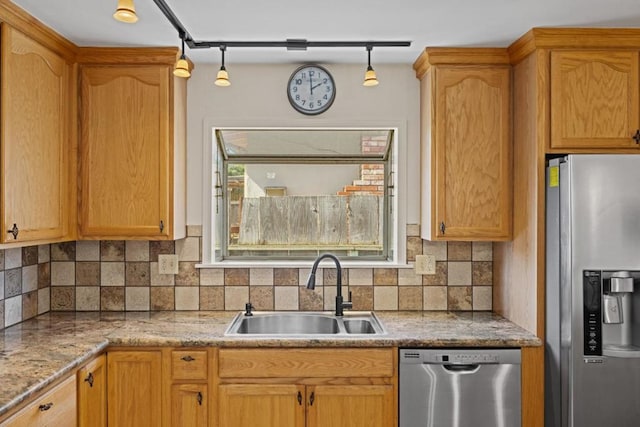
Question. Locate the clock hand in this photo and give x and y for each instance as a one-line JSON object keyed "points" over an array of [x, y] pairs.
{"points": [[313, 87], [311, 84]]}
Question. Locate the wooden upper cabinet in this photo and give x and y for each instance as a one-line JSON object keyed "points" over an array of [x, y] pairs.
{"points": [[35, 145], [129, 149], [595, 99], [466, 152]]}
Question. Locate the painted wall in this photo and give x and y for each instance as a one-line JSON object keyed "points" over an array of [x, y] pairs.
{"points": [[257, 98]]}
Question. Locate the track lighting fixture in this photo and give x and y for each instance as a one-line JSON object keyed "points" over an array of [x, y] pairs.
{"points": [[126, 12], [222, 79], [370, 78], [182, 66]]}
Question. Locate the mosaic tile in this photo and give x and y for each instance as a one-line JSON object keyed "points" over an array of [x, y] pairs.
{"points": [[65, 251], [136, 274], [385, 276], [459, 251], [211, 298], [158, 247], [136, 250], [63, 298], [88, 274], [285, 276], [188, 274], [112, 298], [409, 298], [482, 273], [459, 298], [112, 250], [261, 297], [162, 298], [236, 277]]}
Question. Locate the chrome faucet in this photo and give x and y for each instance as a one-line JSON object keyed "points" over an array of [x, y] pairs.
{"points": [[311, 283]]}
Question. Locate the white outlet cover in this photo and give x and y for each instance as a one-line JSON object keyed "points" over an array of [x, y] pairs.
{"points": [[167, 264]]}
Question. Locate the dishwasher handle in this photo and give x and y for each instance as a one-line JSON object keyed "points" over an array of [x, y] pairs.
{"points": [[460, 368]]}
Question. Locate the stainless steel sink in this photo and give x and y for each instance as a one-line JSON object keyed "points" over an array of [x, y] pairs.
{"points": [[304, 323]]}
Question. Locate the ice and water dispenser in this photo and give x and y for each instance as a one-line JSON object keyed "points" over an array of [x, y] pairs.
{"points": [[611, 313]]}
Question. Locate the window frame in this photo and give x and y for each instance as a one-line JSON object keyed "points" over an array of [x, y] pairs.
{"points": [[397, 241]]}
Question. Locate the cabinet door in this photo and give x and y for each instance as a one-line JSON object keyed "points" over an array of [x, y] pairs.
{"points": [[56, 408], [189, 406], [594, 99], [92, 394], [472, 154], [261, 405], [125, 152], [34, 139], [351, 406], [134, 388]]}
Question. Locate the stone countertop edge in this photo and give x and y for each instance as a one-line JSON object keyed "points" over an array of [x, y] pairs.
{"points": [[38, 352]]}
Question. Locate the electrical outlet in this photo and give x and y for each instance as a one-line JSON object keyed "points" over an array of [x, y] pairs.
{"points": [[425, 264], [168, 264]]}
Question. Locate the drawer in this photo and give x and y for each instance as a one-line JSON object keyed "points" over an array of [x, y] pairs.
{"points": [[189, 365], [310, 363], [55, 408]]}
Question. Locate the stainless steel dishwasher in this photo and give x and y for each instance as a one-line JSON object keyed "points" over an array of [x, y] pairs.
{"points": [[459, 388]]}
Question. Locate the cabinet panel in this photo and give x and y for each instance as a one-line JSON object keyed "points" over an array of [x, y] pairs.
{"points": [[264, 405], [470, 154], [134, 393], [189, 405], [56, 408], [35, 139], [125, 151], [92, 394], [351, 406], [595, 99], [318, 363], [189, 365]]}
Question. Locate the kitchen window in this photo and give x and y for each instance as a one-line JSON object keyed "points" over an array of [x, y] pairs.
{"points": [[292, 194]]}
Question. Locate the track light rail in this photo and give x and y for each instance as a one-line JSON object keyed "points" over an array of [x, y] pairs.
{"points": [[289, 44]]}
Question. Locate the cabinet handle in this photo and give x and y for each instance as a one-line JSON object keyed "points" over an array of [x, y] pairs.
{"points": [[45, 407], [636, 137], [299, 398], [312, 398], [161, 226], [14, 230], [442, 227], [89, 379], [199, 397], [188, 358]]}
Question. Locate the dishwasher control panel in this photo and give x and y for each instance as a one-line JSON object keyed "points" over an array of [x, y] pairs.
{"points": [[459, 357]]}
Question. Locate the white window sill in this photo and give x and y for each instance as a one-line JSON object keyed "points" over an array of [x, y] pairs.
{"points": [[304, 264]]}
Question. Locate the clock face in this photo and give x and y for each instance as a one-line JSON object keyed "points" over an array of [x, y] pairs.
{"points": [[311, 89]]}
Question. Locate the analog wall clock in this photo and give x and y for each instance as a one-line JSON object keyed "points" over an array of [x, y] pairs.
{"points": [[311, 89]]}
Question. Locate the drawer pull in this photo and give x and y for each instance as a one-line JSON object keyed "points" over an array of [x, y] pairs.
{"points": [[89, 379], [312, 398], [188, 358], [299, 398], [635, 137], [45, 407], [14, 231]]}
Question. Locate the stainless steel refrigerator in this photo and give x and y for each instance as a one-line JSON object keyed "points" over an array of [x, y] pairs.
{"points": [[592, 354]]}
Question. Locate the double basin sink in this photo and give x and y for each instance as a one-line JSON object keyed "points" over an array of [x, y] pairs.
{"points": [[305, 323]]}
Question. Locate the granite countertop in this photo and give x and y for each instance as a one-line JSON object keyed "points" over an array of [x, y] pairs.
{"points": [[36, 353]]}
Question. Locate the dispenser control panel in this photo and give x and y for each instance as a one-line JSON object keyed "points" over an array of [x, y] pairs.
{"points": [[592, 291]]}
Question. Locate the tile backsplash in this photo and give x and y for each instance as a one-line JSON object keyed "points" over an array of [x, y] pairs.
{"points": [[123, 276]]}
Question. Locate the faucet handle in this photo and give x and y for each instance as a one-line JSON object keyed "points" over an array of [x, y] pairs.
{"points": [[348, 304]]}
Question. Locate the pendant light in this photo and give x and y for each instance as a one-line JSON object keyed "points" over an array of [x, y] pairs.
{"points": [[182, 66], [222, 79], [126, 12], [370, 78]]}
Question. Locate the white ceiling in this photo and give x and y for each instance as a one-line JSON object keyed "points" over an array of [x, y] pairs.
{"points": [[457, 23]]}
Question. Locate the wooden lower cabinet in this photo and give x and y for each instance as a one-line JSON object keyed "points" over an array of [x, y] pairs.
{"points": [[261, 405], [92, 393], [337, 387], [56, 408], [350, 406], [189, 405], [134, 392]]}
